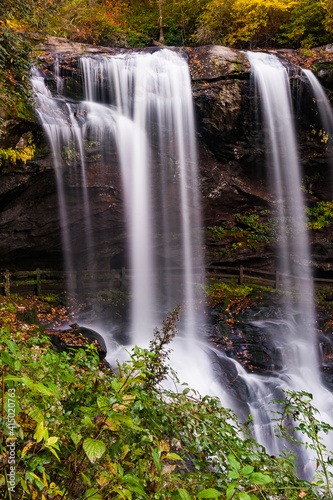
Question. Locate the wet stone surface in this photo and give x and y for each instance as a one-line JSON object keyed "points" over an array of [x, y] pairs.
{"points": [[78, 337]]}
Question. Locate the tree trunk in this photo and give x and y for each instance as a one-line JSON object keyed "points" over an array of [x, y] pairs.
{"points": [[160, 4]]}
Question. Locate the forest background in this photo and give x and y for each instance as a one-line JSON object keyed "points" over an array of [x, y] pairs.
{"points": [[243, 24]]}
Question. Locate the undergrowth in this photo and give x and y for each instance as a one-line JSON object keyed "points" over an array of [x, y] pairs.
{"points": [[82, 431]]}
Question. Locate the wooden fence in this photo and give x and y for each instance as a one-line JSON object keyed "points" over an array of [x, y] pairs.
{"points": [[41, 281]]}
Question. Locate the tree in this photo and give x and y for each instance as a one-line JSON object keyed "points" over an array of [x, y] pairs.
{"points": [[160, 21]]}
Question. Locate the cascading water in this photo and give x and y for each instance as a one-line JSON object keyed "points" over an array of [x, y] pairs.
{"points": [[324, 108], [152, 94], [139, 108], [285, 174], [300, 369]]}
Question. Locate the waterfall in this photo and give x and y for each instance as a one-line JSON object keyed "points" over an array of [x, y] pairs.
{"points": [[324, 107], [138, 108], [272, 81], [140, 104], [154, 133], [296, 331]]}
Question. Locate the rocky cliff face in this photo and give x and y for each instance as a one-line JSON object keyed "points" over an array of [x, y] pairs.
{"points": [[231, 156]]}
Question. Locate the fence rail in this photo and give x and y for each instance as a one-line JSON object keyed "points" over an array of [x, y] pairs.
{"points": [[41, 281]]}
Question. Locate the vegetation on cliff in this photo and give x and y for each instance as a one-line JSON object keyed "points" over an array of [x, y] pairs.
{"points": [[240, 23]]}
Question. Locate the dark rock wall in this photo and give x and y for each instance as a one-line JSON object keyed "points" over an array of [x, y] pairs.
{"points": [[231, 160]]}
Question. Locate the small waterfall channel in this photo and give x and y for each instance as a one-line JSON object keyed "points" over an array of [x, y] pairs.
{"points": [[138, 109]]}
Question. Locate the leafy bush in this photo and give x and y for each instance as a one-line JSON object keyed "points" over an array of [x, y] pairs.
{"points": [[12, 156], [320, 215], [20, 20], [86, 432]]}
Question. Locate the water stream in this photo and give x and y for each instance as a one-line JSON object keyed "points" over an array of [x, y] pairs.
{"points": [[324, 107]]}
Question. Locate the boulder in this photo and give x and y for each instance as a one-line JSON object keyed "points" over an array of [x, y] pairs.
{"points": [[78, 337]]}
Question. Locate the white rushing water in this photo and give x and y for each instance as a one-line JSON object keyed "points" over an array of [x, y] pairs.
{"points": [[284, 171], [140, 104], [300, 370], [322, 101], [151, 94]]}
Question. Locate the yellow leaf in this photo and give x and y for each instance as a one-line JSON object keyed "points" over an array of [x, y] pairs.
{"points": [[120, 408], [44, 479], [34, 494], [164, 446], [102, 480], [112, 426], [11, 60], [168, 468], [25, 421], [27, 447]]}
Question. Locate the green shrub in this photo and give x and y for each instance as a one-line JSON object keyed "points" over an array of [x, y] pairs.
{"points": [[83, 432]]}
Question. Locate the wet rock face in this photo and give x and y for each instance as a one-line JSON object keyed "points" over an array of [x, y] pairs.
{"points": [[78, 337], [258, 339], [231, 164]]}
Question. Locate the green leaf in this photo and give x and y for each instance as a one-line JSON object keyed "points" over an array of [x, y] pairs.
{"points": [[103, 403], [173, 456], [52, 450], [230, 492], [43, 390], [88, 422], [54, 389], [25, 486], [243, 496], [93, 448], [67, 376], [39, 434], [92, 494], [184, 495], [156, 458], [233, 474], [233, 462], [134, 483], [17, 365], [52, 441], [30, 476], [86, 480], [76, 438], [209, 493], [7, 359], [116, 385], [11, 345], [37, 415], [259, 478], [248, 469]]}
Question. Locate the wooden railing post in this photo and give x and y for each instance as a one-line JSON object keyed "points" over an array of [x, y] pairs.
{"points": [[241, 275], [7, 283], [38, 283], [277, 280]]}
